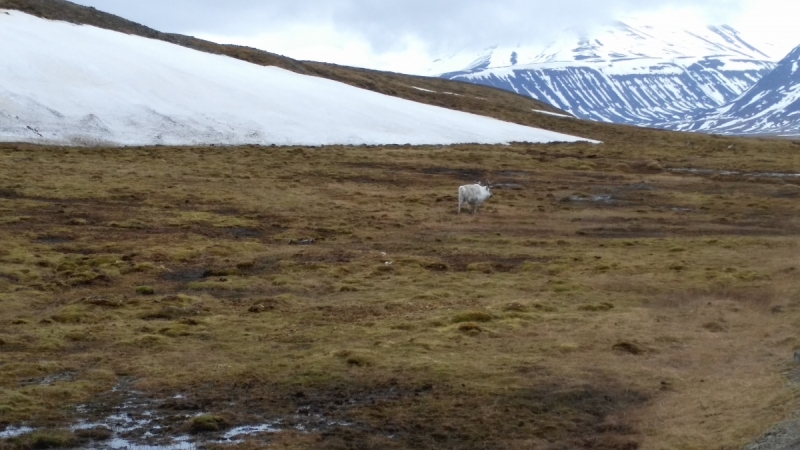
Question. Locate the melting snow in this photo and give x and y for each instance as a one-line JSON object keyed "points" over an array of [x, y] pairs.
{"points": [[79, 85], [552, 113], [12, 432]]}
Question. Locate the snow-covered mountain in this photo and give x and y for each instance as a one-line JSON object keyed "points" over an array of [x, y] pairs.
{"points": [[62, 83], [621, 73], [772, 106]]}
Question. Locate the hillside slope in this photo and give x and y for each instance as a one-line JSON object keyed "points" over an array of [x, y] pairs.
{"points": [[70, 84], [481, 100]]}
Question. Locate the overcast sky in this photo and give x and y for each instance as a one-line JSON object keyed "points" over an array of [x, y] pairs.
{"points": [[405, 35]]}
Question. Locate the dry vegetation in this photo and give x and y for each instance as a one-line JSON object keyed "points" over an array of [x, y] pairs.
{"points": [[598, 301]]}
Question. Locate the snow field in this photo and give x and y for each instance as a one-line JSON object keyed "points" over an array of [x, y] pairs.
{"points": [[62, 83]]}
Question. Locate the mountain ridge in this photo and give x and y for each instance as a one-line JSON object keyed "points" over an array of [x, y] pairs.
{"points": [[771, 106], [642, 75]]}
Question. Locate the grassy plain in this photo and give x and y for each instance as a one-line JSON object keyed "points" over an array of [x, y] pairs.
{"points": [[600, 300]]}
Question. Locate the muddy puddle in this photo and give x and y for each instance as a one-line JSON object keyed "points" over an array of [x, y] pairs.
{"points": [[127, 419], [590, 198], [734, 172], [12, 432]]}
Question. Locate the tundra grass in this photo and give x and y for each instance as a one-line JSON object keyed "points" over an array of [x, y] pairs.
{"points": [[602, 299]]}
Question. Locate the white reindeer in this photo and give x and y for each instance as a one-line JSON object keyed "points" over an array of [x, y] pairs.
{"points": [[474, 195]]}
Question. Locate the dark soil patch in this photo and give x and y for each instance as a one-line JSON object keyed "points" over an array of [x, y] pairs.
{"points": [[9, 193], [559, 417], [334, 257], [363, 179], [472, 175], [243, 233], [461, 262], [259, 266], [628, 347], [52, 240], [185, 275]]}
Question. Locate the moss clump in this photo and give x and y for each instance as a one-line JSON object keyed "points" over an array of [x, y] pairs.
{"points": [[472, 316], [602, 306], [73, 314], [44, 439], [145, 290], [628, 347], [515, 307], [470, 328], [483, 267], [147, 341], [207, 423], [95, 434], [174, 312], [359, 360]]}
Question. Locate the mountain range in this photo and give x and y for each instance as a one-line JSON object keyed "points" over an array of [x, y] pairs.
{"points": [[702, 79], [771, 106]]}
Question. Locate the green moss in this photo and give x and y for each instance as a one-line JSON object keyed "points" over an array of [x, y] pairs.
{"points": [[207, 423], [472, 316], [45, 439], [602, 306], [145, 290]]}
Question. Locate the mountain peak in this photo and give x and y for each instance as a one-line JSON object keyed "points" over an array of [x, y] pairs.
{"points": [[616, 41], [771, 106], [624, 72]]}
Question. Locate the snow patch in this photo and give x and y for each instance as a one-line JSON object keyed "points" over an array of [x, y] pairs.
{"points": [[80, 85], [552, 113]]}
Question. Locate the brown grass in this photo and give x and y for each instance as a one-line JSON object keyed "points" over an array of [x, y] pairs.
{"points": [[557, 317], [602, 300]]}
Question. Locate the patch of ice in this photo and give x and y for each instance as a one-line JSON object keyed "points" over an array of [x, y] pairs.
{"points": [[180, 443], [593, 198], [249, 430], [552, 113], [733, 172], [12, 432]]}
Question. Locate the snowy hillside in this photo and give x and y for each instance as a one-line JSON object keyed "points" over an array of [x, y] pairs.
{"points": [[639, 75], [68, 84], [772, 106]]}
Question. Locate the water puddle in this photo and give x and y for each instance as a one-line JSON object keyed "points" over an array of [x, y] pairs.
{"points": [[734, 172], [125, 418], [52, 240], [50, 379], [181, 443], [607, 198], [237, 435], [12, 432]]}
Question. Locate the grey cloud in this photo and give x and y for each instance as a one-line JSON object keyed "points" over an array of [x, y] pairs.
{"points": [[443, 24]]}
